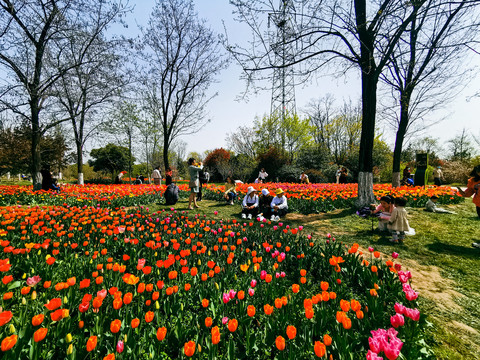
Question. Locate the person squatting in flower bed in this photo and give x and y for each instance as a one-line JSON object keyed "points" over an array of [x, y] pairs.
{"points": [[276, 209]]}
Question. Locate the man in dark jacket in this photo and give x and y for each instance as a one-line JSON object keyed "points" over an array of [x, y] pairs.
{"points": [[265, 199], [171, 194]]}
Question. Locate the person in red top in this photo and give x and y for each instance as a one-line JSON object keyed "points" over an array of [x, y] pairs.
{"points": [[473, 187]]}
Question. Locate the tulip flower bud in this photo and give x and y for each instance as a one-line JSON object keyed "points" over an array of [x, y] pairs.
{"points": [[70, 349], [65, 300], [47, 257], [24, 301], [91, 261], [39, 252], [235, 276], [157, 305], [156, 253], [34, 295], [181, 306], [216, 285], [68, 338], [199, 262], [24, 276], [76, 256], [199, 348], [249, 262], [125, 338], [209, 253], [12, 329]]}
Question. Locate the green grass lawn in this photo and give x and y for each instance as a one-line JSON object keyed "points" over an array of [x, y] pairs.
{"points": [[444, 265]]}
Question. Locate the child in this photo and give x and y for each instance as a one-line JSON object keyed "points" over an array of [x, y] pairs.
{"points": [[171, 194], [250, 203], [385, 211], [431, 206], [398, 221], [278, 206]]}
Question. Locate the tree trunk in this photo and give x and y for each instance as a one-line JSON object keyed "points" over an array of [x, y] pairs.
{"points": [[79, 163], [130, 155], [365, 176], [396, 179], [165, 151], [402, 130], [365, 189], [36, 154]]}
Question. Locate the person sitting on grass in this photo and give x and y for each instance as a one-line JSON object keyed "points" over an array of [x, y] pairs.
{"points": [[250, 203], [265, 199], [171, 194], [398, 221], [384, 210], [431, 206], [278, 205], [230, 193]]}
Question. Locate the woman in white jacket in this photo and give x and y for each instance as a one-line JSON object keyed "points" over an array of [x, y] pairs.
{"points": [[279, 205], [250, 203]]}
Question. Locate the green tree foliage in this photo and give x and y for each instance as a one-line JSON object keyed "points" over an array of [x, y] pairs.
{"points": [[15, 156], [290, 133], [272, 160], [111, 159]]}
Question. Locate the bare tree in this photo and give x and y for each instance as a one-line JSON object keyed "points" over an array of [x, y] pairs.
{"points": [[461, 146], [321, 113], [427, 65], [348, 30], [32, 38], [241, 141], [183, 57], [85, 92]]}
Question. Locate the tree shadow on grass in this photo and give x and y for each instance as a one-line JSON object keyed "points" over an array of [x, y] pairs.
{"points": [[442, 248]]}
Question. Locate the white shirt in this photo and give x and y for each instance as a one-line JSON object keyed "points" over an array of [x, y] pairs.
{"points": [[156, 174], [262, 175], [248, 199], [280, 202]]}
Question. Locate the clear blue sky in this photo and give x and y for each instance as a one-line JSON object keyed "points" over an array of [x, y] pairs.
{"points": [[227, 114]]}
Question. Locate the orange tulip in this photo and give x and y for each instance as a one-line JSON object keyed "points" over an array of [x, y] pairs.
{"points": [[40, 334], [319, 349], [54, 304], [205, 303], [161, 333], [232, 325], [267, 309], [135, 322], [327, 340], [215, 335], [280, 343], [109, 357], [37, 319], [345, 305], [91, 343], [149, 316], [291, 332], [115, 326], [189, 348], [9, 342], [5, 317], [251, 310], [295, 288]]}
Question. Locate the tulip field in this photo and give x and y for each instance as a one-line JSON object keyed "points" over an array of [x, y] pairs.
{"points": [[90, 275]]}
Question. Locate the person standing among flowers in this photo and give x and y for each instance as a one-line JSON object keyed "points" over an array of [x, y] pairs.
{"points": [[438, 176], [262, 175], [156, 176], [194, 184], [473, 186], [398, 221]]}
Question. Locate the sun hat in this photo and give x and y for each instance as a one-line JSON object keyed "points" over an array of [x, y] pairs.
{"points": [[279, 191], [250, 189], [265, 192]]}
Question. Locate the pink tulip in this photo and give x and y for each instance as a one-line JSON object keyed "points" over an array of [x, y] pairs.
{"points": [[300, 228], [395, 255], [226, 298], [371, 249], [215, 213], [120, 346], [373, 356], [399, 308], [102, 293], [282, 274], [397, 320], [232, 294], [277, 275], [251, 292], [275, 227], [263, 274], [225, 320], [34, 280], [413, 314], [391, 352], [253, 283]]}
